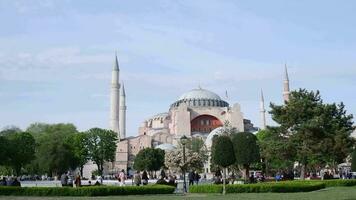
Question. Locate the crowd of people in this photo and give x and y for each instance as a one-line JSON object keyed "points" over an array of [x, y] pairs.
{"points": [[10, 181]]}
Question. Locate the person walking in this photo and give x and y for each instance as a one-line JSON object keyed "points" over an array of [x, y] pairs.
{"points": [[122, 178], [191, 178], [137, 178], [78, 181], [144, 178], [64, 180], [196, 177]]}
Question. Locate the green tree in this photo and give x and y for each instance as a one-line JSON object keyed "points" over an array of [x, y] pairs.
{"points": [[101, 146], [319, 132], [55, 152], [246, 150], [149, 159], [4, 150], [80, 148], [275, 150], [21, 150], [222, 154]]}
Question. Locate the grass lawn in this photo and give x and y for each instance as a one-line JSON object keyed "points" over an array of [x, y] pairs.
{"points": [[337, 193]]}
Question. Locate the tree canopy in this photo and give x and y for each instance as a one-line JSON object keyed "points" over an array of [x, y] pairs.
{"points": [[246, 150], [149, 159], [101, 145], [319, 132]]}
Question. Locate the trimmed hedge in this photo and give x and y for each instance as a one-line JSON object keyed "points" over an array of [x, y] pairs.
{"points": [[86, 191], [259, 188], [332, 182]]}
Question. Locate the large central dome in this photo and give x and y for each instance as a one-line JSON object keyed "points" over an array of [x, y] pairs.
{"points": [[200, 98], [199, 94]]}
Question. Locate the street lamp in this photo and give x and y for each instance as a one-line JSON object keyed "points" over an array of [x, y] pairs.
{"points": [[183, 141]]}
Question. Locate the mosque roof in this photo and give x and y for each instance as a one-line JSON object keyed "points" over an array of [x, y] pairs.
{"points": [[209, 140], [166, 147], [199, 94]]}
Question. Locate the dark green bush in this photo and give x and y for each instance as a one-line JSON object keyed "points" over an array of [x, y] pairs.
{"points": [[86, 191], [207, 188], [259, 188], [332, 182]]}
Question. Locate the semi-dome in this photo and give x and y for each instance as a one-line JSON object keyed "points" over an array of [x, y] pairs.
{"points": [[199, 94], [209, 140], [166, 147], [200, 98]]}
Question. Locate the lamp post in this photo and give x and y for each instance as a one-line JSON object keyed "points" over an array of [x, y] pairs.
{"points": [[183, 141]]}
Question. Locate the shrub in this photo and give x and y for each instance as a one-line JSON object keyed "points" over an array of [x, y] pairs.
{"points": [[332, 182], [260, 188], [86, 191], [206, 188]]}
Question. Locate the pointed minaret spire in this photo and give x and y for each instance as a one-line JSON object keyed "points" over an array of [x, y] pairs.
{"points": [[123, 108], [286, 90], [116, 64], [262, 111], [115, 98]]}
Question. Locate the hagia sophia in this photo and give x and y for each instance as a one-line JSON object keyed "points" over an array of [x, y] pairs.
{"points": [[196, 113]]}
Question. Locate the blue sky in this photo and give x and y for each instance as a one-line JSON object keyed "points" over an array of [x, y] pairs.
{"points": [[56, 56]]}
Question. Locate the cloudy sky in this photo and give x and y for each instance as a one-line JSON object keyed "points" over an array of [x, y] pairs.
{"points": [[56, 56]]}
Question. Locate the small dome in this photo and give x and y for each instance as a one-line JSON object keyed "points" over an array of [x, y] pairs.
{"points": [[209, 140], [166, 147], [199, 94]]}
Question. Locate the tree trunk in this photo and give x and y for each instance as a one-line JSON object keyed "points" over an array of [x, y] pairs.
{"points": [[224, 181], [81, 170], [247, 172], [302, 172], [100, 169]]}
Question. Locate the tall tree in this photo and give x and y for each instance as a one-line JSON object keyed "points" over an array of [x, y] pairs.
{"points": [[149, 159], [4, 150], [21, 150], [80, 148], [55, 154], [275, 150], [222, 154], [101, 146], [320, 132], [246, 150]]}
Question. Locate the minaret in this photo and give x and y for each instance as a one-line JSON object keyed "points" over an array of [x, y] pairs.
{"points": [[122, 117], [262, 111], [286, 90], [115, 92]]}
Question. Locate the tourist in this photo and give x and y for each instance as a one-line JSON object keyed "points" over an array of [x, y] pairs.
{"points": [[78, 181], [64, 180], [144, 178], [172, 181], [163, 174], [3, 181], [122, 178], [137, 178], [196, 177], [16, 182], [191, 178]]}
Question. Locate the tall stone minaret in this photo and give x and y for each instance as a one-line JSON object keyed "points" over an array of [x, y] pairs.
{"points": [[286, 90], [262, 111], [122, 116], [115, 97]]}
